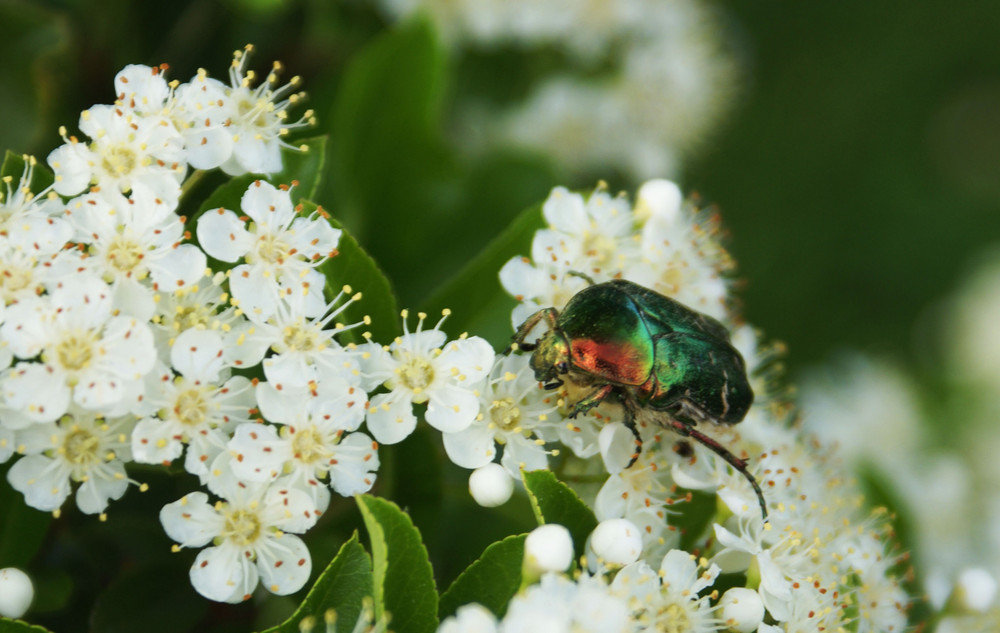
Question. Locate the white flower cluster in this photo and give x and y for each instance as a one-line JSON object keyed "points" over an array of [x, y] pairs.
{"points": [[119, 345], [676, 596], [821, 561], [670, 80]]}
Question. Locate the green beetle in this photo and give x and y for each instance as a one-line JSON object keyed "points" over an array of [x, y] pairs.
{"points": [[662, 361]]}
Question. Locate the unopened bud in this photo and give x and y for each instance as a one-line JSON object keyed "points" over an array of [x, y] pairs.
{"points": [[547, 548], [491, 485], [616, 542], [742, 609], [16, 592]]}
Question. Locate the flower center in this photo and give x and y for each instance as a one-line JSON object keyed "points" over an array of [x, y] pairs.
{"points": [[416, 373], [242, 527], [190, 316], [124, 254], [13, 280], [119, 160], [673, 619], [75, 350], [272, 249], [599, 247], [300, 338], [191, 407], [80, 447], [505, 414], [308, 446]]}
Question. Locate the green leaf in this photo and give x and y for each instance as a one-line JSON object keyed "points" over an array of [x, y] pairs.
{"points": [[127, 604], [386, 111], [404, 580], [477, 301], [694, 517], [13, 166], [22, 529], [304, 167], [228, 195], [353, 266], [342, 586], [555, 502], [492, 580], [17, 626]]}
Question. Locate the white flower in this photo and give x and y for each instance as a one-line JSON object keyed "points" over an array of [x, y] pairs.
{"points": [[29, 221], [257, 118], [80, 447], [594, 236], [422, 367], [199, 408], [511, 406], [310, 451], [16, 592], [127, 149], [203, 305], [490, 485], [199, 110], [559, 605], [86, 353], [130, 239], [470, 618], [281, 251], [668, 600], [305, 350], [251, 535]]}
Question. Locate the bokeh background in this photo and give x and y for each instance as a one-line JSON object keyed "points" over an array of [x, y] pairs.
{"points": [[852, 149], [855, 166]]}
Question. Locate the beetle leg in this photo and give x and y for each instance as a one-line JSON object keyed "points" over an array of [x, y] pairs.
{"points": [[739, 464], [630, 424], [550, 314], [592, 400]]}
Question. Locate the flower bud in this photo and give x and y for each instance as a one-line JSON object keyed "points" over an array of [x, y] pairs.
{"points": [[491, 485], [975, 589], [660, 197], [616, 542], [742, 609], [16, 592], [547, 548]]}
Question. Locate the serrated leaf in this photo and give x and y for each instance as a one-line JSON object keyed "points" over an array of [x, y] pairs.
{"points": [[404, 580], [22, 529], [13, 166], [492, 580], [18, 626], [342, 586], [555, 502], [478, 303], [306, 168], [353, 266]]}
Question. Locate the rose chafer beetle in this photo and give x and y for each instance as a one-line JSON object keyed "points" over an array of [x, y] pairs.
{"points": [[665, 363]]}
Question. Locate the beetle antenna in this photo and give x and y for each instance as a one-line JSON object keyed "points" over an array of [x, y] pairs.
{"points": [[720, 450], [583, 276]]}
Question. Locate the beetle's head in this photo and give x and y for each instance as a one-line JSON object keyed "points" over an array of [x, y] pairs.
{"points": [[551, 358]]}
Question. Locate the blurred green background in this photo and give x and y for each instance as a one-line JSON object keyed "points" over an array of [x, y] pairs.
{"points": [[857, 171], [857, 174]]}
